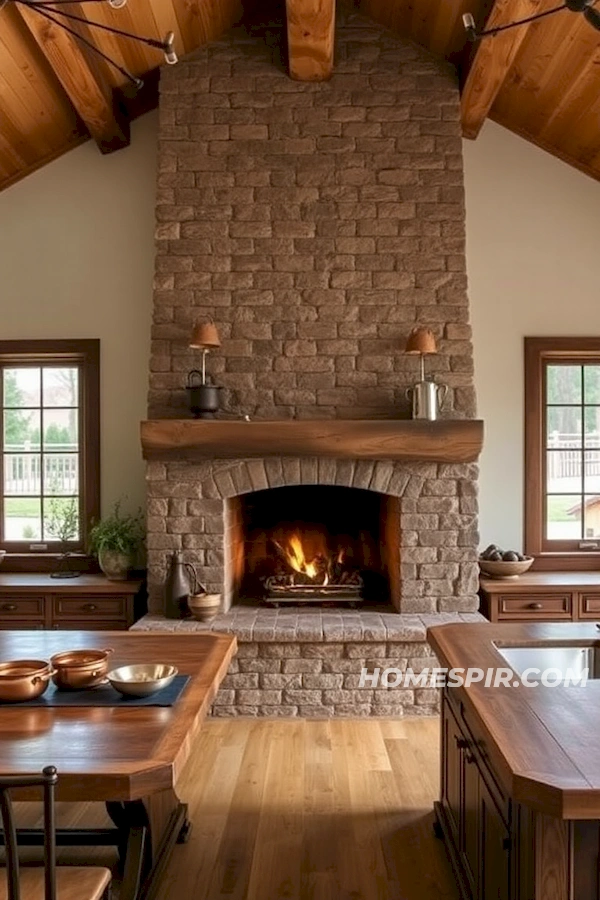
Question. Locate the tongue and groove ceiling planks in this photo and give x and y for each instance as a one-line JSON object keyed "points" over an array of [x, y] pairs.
{"points": [[541, 81]]}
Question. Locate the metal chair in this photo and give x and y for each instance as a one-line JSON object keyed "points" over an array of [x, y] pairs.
{"points": [[51, 882]]}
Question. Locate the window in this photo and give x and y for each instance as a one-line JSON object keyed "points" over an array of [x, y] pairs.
{"points": [[49, 413], [562, 446]]}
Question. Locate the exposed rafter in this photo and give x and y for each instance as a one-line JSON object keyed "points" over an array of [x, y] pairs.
{"points": [[311, 38], [82, 79], [493, 58]]}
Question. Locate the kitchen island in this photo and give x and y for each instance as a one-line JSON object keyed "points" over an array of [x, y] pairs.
{"points": [[520, 798]]}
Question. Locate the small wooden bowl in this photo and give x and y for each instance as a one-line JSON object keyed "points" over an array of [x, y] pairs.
{"points": [[505, 569], [23, 679], [204, 607], [77, 670]]}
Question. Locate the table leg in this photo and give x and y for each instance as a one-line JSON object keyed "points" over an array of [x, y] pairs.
{"points": [[150, 828]]}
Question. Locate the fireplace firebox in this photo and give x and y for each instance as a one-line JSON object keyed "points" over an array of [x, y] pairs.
{"points": [[320, 544]]}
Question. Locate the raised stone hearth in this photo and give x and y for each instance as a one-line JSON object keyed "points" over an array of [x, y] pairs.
{"points": [[299, 663]]}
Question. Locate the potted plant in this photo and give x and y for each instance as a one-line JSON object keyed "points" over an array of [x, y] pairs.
{"points": [[116, 542], [63, 524]]}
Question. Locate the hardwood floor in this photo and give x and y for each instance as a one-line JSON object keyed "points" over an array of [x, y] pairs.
{"points": [[337, 809], [307, 810]]}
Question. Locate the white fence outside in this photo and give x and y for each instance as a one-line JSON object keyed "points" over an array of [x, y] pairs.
{"points": [[23, 471], [569, 461]]}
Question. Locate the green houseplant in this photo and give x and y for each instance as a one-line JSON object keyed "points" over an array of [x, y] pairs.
{"points": [[116, 542]]}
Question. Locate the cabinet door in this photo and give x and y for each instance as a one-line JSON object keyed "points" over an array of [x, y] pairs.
{"points": [[91, 625], [470, 819], [494, 850], [21, 625], [451, 769]]}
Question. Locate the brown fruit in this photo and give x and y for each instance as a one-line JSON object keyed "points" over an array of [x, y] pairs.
{"points": [[510, 556]]}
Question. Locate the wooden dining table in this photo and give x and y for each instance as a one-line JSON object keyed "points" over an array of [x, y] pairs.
{"points": [[129, 758]]}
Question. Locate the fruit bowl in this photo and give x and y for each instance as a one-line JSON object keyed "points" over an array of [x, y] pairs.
{"points": [[505, 568]]}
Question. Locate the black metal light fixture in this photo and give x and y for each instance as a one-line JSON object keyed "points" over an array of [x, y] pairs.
{"points": [[586, 7], [52, 11]]}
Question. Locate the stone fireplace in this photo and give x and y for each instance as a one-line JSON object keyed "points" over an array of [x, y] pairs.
{"points": [[301, 544], [316, 224]]}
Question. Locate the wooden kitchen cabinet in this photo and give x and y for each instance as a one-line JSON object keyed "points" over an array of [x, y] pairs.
{"points": [[474, 825], [87, 603], [542, 597], [519, 807]]}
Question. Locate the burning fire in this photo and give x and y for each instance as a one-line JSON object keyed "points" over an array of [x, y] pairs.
{"points": [[296, 557], [316, 565]]}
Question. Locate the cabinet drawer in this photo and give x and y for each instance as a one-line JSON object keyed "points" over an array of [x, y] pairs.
{"points": [[589, 606], [21, 606], [82, 607], [532, 606]]}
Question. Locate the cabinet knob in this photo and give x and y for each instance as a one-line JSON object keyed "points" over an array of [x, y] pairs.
{"points": [[536, 606], [506, 843], [9, 607], [469, 758], [461, 743], [90, 607]]}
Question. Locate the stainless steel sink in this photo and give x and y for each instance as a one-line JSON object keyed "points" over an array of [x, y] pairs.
{"points": [[567, 658]]}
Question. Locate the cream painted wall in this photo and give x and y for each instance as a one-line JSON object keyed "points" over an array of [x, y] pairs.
{"points": [[76, 260], [532, 258]]}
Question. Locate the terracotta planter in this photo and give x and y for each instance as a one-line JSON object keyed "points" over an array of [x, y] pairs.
{"points": [[115, 565]]}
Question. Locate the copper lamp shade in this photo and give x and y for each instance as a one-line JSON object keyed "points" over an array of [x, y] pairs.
{"points": [[205, 336], [421, 340]]}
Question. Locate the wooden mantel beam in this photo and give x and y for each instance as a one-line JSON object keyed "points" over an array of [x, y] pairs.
{"points": [[310, 33], [82, 79], [493, 58], [447, 440]]}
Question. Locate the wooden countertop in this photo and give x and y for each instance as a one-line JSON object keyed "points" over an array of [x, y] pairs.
{"points": [[543, 742], [532, 582], [112, 753], [25, 582]]}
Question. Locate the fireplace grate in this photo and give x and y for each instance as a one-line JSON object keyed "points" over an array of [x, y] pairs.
{"points": [[278, 592]]}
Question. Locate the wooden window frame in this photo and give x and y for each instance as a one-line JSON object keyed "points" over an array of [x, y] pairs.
{"points": [[86, 355], [538, 352]]}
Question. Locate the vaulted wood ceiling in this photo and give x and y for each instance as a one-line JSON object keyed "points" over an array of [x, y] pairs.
{"points": [[541, 80]]}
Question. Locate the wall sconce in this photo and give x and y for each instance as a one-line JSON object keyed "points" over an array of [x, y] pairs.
{"points": [[203, 397], [427, 397], [421, 341], [205, 337]]}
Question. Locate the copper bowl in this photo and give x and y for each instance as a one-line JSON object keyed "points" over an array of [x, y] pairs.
{"points": [[76, 670], [23, 679]]}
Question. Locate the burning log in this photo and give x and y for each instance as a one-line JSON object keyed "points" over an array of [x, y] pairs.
{"points": [[304, 577]]}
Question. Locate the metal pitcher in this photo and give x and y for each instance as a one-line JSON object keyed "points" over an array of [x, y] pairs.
{"points": [[427, 399]]}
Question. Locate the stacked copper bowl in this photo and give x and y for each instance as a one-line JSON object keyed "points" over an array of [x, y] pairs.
{"points": [[77, 670], [24, 679]]}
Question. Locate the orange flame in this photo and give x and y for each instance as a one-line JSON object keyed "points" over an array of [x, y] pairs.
{"points": [[296, 557]]}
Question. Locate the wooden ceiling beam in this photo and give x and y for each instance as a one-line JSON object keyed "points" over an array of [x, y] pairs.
{"points": [[82, 79], [310, 34], [493, 58]]}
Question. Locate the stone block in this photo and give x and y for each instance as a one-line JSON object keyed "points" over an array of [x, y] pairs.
{"points": [[296, 666], [371, 649], [281, 682]]}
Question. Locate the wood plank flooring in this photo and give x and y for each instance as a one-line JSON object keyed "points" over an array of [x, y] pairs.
{"points": [[306, 810]]}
